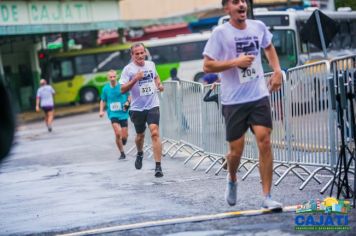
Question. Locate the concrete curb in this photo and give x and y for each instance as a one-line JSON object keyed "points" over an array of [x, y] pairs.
{"points": [[29, 117]]}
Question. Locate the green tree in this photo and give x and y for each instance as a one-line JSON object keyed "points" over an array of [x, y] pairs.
{"points": [[346, 3]]}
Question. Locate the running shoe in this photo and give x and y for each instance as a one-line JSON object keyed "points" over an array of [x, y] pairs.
{"points": [[231, 192], [122, 156], [158, 172], [270, 204], [138, 162]]}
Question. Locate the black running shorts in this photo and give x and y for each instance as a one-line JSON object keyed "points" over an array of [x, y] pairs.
{"points": [[122, 123], [140, 118], [239, 117], [47, 109]]}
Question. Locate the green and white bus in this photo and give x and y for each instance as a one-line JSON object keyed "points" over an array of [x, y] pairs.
{"points": [[79, 76], [286, 27]]}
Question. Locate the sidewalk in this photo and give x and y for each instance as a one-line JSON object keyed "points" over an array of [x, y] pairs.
{"points": [[31, 116]]}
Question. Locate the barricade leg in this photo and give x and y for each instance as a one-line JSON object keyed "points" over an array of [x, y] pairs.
{"points": [[214, 163], [298, 175], [131, 149], [327, 185], [191, 156], [291, 169], [312, 175], [221, 167], [250, 170], [278, 166], [169, 149], [181, 147], [200, 161], [242, 165]]}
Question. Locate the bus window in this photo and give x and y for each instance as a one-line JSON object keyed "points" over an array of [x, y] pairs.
{"points": [[191, 51], [164, 54], [85, 64], [62, 70], [67, 68], [55, 71], [113, 60], [285, 45]]}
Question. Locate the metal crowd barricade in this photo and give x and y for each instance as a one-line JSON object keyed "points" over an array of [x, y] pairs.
{"points": [[309, 123], [182, 118], [191, 101], [170, 118], [214, 143]]}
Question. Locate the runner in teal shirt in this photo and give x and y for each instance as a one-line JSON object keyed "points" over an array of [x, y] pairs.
{"points": [[115, 102], [117, 105]]}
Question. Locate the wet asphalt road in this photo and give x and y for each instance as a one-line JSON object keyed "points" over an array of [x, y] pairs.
{"points": [[71, 180]]}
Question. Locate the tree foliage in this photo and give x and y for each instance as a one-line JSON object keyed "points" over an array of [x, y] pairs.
{"points": [[346, 3]]}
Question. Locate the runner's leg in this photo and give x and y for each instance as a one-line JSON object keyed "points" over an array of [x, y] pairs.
{"points": [[118, 131]]}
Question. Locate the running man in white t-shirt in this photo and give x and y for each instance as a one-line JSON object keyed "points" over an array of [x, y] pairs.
{"points": [[44, 99], [141, 79], [234, 51]]}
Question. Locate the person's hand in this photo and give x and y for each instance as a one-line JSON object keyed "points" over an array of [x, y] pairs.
{"points": [[244, 61], [213, 86], [126, 106], [275, 82], [101, 114], [160, 87], [37, 108], [139, 75]]}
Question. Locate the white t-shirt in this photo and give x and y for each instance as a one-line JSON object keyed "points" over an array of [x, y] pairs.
{"points": [[45, 94], [144, 92], [227, 42]]}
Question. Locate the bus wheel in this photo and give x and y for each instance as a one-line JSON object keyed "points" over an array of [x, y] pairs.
{"points": [[199, 76], [88, 95]]}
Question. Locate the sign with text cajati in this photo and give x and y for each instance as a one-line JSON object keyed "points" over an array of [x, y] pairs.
{"points": [[57, 12]]}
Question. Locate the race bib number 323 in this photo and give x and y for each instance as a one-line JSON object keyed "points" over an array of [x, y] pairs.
{"points": [[146, 89]]}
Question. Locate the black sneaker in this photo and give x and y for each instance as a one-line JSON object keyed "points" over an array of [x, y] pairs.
{"points": [[49, 129], [122, 156], [138, 162], [158, 172]]}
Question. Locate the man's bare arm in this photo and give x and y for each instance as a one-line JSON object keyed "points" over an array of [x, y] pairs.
{"points": [[101, 109], [128, 86], [213, 66], [158, 83], [275, 81]]}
